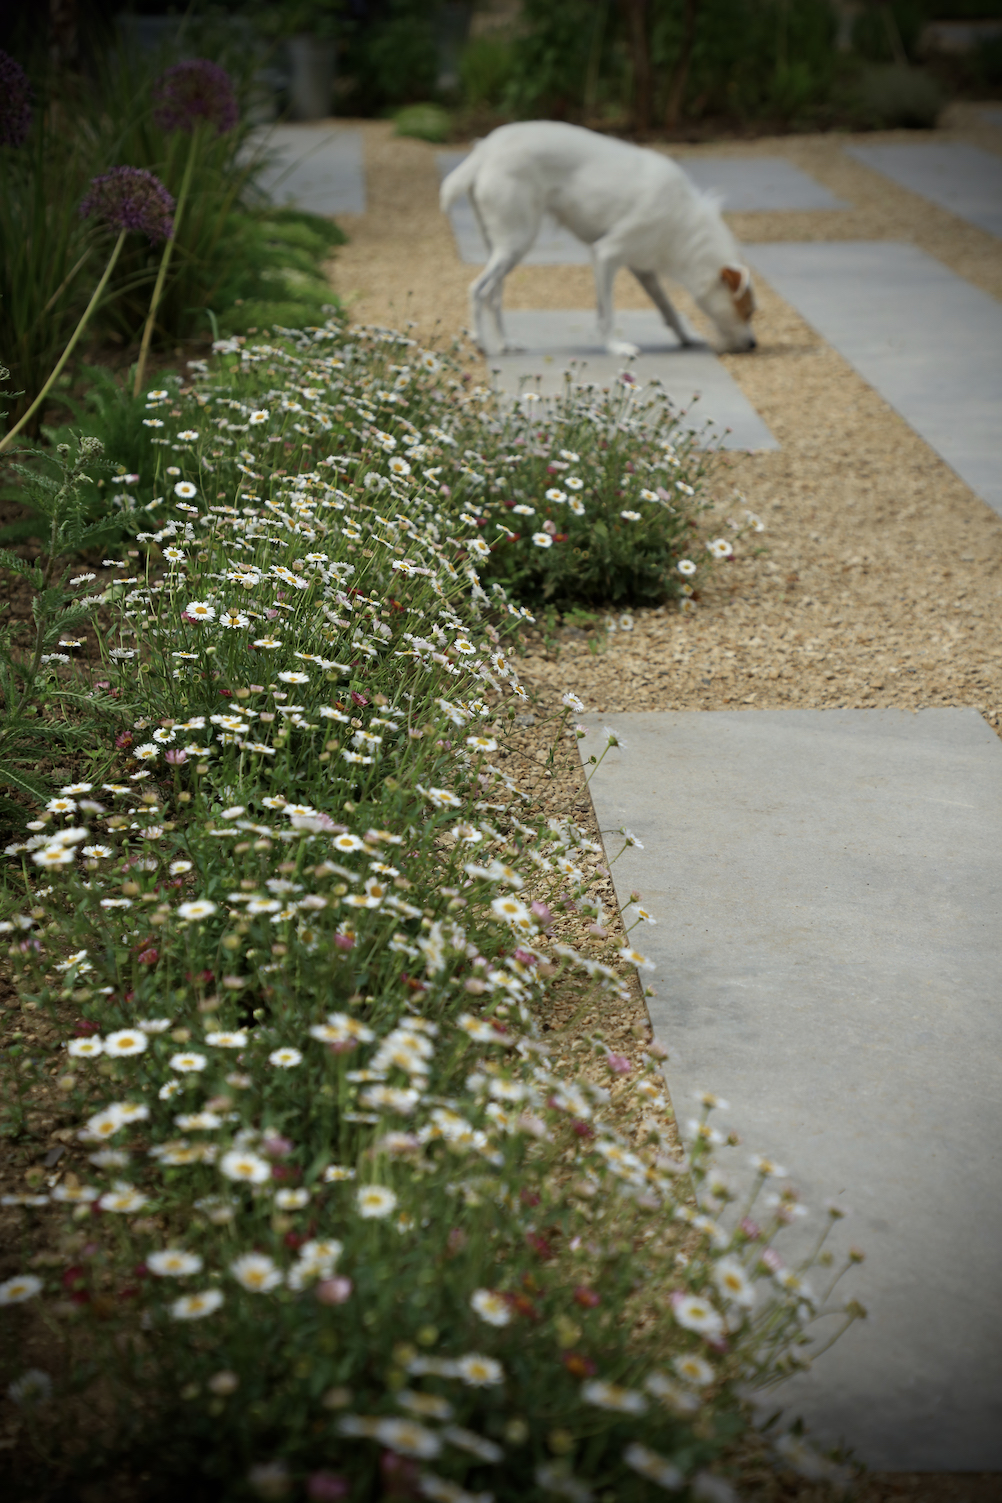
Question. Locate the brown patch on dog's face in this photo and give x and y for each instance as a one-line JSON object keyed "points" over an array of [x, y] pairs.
{"points": [[738, 282], [745, 304]]}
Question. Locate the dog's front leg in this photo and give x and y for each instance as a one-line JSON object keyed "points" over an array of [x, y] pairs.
{"points": [[662, 302], [606, 262]]}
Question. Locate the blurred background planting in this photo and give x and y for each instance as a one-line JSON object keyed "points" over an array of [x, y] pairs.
{"points": [[236, 262]]}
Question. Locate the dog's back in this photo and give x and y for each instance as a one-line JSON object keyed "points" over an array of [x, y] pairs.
{"points": [[588, 181]]}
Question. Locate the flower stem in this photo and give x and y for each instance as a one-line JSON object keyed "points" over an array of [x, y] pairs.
{"points": [[98, 290], [144, 348]]}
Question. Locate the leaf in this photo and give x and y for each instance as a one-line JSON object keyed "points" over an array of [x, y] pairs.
{"points": [[19, 566], [26, 782]]}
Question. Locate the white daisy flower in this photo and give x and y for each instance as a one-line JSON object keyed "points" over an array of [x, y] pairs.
{"points": [[126, 1041], [374, 1202], [248, 1167], [285, 1058], [491, 1307], [84, 1048], [200, 610], [186, 1063], [199, 908], [195, 1306], [173, 1263], [256, 1272], [21, 1287]]}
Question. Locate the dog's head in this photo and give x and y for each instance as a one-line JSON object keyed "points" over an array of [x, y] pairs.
{"points": [[730, 302]]}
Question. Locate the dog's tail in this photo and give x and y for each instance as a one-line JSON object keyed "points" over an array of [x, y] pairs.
{"points": [[460, 180]]}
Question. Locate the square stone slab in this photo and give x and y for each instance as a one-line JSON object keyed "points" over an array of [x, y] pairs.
{"points": [[313, 167], [929, 342], [828, 891], [758, 184], [553, 339], [745, 183], [965, 180]]}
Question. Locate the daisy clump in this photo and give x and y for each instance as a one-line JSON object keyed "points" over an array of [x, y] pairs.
{"points": [[332, 1219]]}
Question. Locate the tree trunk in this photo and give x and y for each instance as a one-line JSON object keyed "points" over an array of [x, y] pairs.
{"points": [[680, 73], [640, 56]]}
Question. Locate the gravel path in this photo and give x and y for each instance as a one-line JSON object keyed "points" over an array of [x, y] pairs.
{"points": [[879, 580]]}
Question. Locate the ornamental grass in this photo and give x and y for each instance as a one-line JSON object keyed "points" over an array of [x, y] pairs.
{"points": [[334, 1221]]}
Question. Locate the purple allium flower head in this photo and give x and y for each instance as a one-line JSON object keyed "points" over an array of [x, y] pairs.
{"points": [[15, 101], [130, 198], [191, 92]]}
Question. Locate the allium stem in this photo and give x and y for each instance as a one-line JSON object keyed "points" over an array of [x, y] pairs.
{"points": [[144, 348], [98, 291]]}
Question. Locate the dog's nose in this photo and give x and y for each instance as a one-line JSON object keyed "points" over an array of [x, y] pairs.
{"points": [[752, 342]]}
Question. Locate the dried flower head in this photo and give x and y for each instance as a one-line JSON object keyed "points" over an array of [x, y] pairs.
{"points": [[130, 198], [15, 102], [192, 92]]}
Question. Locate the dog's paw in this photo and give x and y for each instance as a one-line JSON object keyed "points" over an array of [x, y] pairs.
{"points": [[623, 348]]}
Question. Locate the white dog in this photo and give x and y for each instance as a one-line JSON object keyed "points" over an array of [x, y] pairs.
{"points": [[634, 207]]}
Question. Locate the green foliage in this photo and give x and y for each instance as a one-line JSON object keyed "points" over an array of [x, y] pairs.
{"points": [[895, 97], [394, 59], [750, 60], [426, 122], [486, 71], [50, 261], [56, 489], [228, 248], [552, 53], [773, 58], [882, 32]]}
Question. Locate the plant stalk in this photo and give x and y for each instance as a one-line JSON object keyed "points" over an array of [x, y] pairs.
{"points": [[98, 291], [144, 348]]}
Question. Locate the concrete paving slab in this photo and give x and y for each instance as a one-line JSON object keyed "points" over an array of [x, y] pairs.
{"points": [[927, 340], [313, 167], [745, 183], [966, 180], [758, 184], [553, 339], [554, 246], [828, 886]]}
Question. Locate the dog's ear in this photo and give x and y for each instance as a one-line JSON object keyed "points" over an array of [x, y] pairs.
{"points": [[736, 278]]}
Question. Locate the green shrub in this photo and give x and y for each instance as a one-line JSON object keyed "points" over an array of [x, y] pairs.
{"points": [[50, 258], [332, 1217], [894, 97], [881, 32], [748, 59], [486, 70], [596, 504], [393, 59], [426, 122]]}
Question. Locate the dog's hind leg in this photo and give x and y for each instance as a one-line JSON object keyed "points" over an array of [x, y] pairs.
{"points": [[509, 218], [662, 302], [485, 293], [492, 299]]}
